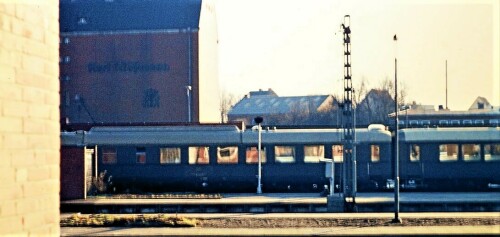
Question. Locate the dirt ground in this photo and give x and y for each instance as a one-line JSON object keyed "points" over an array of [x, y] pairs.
{"points": [[324, 222]]}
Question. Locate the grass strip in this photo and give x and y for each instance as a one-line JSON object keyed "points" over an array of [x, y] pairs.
{"points": [[109, 220]]}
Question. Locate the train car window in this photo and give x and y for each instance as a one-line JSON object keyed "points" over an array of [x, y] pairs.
{"points": [[471, 152], [413, 122], [479, 122], [198, 155], [227, 155], [448, 152], [109, 155], [375, 153], [252, 156], [492, 152], [140, 155], [170, 155], [338, 153], [313, 153], [493, 122], [426, 122], [443, 122], [455, 122], [467, 122], [414, 153], [284, 154]]}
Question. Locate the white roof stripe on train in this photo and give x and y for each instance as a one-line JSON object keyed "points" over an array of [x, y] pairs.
{"points": [[319, 136], [478, 134], [206, 135]]}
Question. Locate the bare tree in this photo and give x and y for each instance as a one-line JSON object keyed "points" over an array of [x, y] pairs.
{"points": [[388, 85], [227, 100], [361, 91]]}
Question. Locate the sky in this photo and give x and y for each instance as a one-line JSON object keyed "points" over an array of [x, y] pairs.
{"points": [[295, 47]]}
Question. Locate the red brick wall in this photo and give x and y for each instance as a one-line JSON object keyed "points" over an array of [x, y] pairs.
{"points": [[110, 93], [72, 173], [29, 118]]}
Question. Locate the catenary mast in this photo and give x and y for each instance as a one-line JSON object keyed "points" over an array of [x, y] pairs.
{"points": [[349, 165]]}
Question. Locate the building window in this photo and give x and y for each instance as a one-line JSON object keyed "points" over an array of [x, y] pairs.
{"points": [[67, 98], [414, 153], [284, 154], [492, 152], [109, 155], [252, 156], [227, 155], [151, 99], [313, 153], [375, 153], [338, 153], [66, 59], [448, 152], [199, 155], [471, 152], [82, 21], [170, 155], [140, 155]]}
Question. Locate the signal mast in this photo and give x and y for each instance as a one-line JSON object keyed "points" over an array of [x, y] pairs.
{"points": [[348, 125]]}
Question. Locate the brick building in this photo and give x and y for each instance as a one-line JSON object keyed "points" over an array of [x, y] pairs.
{"points": [[132, 61], [29, 118]]}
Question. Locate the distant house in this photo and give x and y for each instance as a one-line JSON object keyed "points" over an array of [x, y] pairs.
{"points": [[480, 103], [282, 110]]}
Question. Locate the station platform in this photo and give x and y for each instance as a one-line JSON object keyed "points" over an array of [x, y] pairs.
{"points": [[290, 203], [363, 230]]}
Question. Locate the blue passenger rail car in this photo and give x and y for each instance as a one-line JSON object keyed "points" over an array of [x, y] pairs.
{"points": [[224, 158], [450, 159]]}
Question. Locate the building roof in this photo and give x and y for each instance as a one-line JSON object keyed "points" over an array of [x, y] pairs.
{"points": [[261, 92], [273, 104], [480, 103], [128, 15]]}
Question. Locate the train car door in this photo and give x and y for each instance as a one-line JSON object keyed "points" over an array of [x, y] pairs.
{"points": [[90, 168], [412, 170]]}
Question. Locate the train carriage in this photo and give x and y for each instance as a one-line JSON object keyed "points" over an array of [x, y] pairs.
{"points": [[219, 158], [223, 158], [450, 159]]}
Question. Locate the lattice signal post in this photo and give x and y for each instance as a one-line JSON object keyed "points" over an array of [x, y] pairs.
{"points": [[349, 165]]}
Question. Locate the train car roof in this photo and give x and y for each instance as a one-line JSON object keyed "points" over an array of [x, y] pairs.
{"points": [[183, 128], [171, 135], [318, 136], [206, 135], [479, 134]]}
